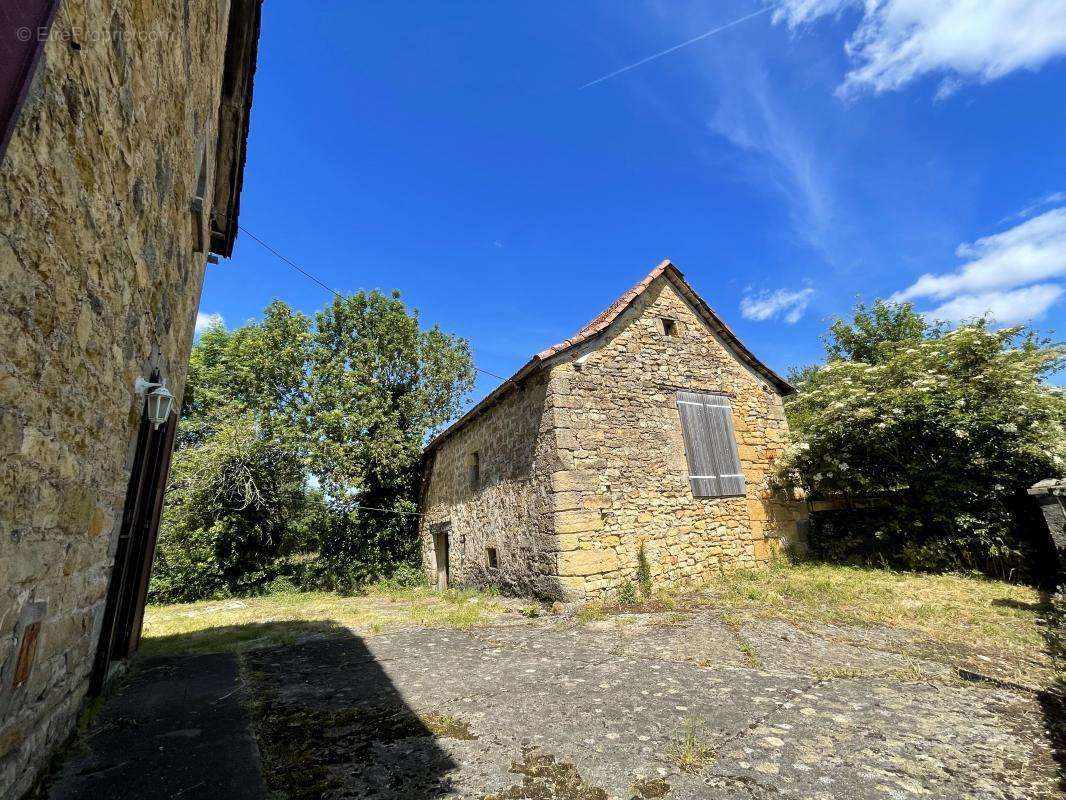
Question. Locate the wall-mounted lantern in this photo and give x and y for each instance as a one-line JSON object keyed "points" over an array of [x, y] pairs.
{"points": [[159, 400]]}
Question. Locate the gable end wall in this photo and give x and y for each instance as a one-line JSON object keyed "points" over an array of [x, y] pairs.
{"points": [[624, 477]]}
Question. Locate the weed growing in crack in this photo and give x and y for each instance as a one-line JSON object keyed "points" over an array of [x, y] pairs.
{"points": [[751, 657], [692, 753], [643, 573]]}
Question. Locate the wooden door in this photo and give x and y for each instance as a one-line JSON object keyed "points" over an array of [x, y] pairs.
{"points": [[127, 590], [440, 548]]}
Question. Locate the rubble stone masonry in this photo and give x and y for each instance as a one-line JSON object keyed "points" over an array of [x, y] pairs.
{"points": [[99, 283], [509, 508], [597, 442]]}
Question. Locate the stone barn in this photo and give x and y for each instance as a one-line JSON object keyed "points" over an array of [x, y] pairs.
{"points": [[652, 428], [122, 140]]}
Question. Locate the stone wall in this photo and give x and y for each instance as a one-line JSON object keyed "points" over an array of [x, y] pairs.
{"points": [[509, 508], [624, 480], [587, 464], [99, 283]]}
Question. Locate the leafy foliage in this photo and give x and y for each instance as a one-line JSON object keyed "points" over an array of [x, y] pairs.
{"points": [[873, 333], [236, 503], [303, 435], [377, 385], [935, 433]]}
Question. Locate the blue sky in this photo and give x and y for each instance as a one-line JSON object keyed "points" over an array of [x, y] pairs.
{"points": [[816, 153]]}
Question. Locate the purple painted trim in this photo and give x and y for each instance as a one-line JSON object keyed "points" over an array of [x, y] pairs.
{"points": [[24, 29]]}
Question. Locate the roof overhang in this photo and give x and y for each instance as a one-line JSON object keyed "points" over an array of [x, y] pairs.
{"points": [[242, 45]]}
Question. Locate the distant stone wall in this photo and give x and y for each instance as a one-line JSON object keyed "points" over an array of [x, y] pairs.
{"points": [[623, 480], [99, 283], [508, 510]]}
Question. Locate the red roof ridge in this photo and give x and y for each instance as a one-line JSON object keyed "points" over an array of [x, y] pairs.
{"points": [[602, 321], [609, 314]]}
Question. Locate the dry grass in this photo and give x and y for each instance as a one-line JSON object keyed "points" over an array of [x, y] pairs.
{"points": [[989, 626], [214, 625], [979, 613], [692, 752], [983, 626]]}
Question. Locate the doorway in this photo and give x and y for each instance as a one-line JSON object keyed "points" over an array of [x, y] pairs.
{"points": [[441, 535], [127, 590]]}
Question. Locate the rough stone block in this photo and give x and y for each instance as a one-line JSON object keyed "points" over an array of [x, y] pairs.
{"points": [[586, 562], [578, 521], [574, 480]]}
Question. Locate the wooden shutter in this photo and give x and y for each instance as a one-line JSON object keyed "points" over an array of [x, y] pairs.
{"points": [[710, 445], [127, 590], [24, 28]]}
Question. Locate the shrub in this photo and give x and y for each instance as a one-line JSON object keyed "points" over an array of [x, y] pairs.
{"points": [[627, 594], [236, 503], [938, 433]]}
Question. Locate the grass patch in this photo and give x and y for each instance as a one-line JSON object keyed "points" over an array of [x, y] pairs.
{"points": [[544, 777], [628, 602], [990, 624], [751, 657], [946, 608], [217, 625], [650, 789], [445, 726], [692, 753]]}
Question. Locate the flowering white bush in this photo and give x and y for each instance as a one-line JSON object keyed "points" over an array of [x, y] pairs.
{"points": [[942, 431]]}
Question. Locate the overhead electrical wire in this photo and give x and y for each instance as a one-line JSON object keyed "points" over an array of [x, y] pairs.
{"points": [[311, 276]]}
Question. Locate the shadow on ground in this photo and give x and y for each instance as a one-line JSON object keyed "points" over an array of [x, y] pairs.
{"points": [[1053, 699], [181, 725], [688, 706], [319, 736]]}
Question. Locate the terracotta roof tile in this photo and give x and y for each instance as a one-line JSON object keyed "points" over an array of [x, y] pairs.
{"points": [[607, 316], [601, 322]]}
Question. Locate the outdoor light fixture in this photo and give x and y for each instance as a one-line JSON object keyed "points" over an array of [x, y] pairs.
{"points": [[159, 400]]}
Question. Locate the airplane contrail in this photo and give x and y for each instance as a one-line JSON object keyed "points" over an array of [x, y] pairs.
{"points": [[719, 29]]}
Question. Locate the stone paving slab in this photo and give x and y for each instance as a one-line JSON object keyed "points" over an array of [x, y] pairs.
{"points": [[558, 709]]}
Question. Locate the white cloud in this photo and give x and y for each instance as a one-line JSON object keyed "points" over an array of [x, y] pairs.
{"points": [[1050, 199], [1032, 251], [1018, 305], [1006, 277], [789, 305], [751, 117], [898, 41], [205, 321]]}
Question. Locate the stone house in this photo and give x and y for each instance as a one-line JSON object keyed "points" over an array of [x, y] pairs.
{"points": [[122, 137], [652, 428]]}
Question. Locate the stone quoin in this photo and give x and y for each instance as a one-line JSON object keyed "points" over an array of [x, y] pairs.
{"points": [[553, 484]]}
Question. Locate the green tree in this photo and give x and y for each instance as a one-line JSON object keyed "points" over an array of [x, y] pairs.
{"points": [[874, 332], [944, 431], [258, 368], [377, 386], [237, 502], [292, 430]]}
